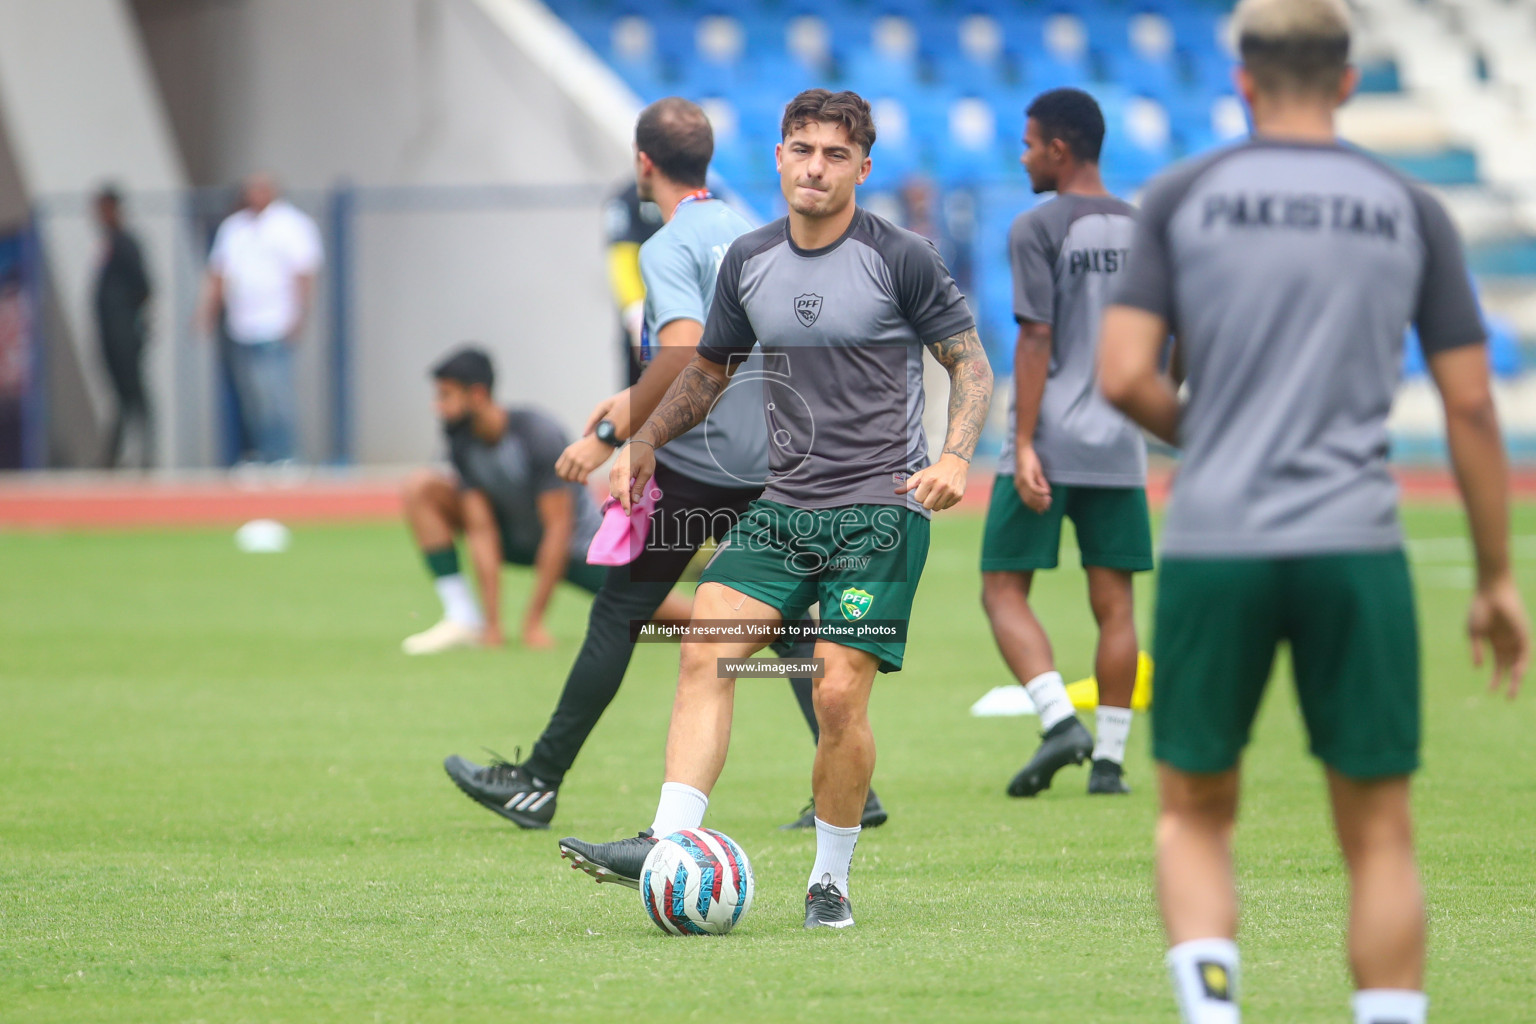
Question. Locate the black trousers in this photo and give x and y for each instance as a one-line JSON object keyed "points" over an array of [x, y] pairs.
{"points": [[122, 349], [688, 513]]}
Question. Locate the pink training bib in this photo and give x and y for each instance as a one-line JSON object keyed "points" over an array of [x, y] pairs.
{"points": [[621, 538]]}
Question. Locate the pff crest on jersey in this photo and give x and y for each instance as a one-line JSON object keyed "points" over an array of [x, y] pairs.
{"points": [[807, 308]]}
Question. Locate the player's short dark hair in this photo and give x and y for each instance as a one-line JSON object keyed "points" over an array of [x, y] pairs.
{"points": [[676, 135], [848, 109], [1296, 47], [467, 366], [109, 193], [1072, 116]]}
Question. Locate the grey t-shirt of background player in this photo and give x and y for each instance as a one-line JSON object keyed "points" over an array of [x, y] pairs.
{"points": [[841, 330], [679, 264], [1289, 273], [513, 472], [1066, 256]]}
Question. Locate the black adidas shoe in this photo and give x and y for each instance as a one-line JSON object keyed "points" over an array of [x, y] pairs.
{"points": [[506, 788], [1107, 777], [620, 861], [874, 815], [1068, 742], [826, 906]]}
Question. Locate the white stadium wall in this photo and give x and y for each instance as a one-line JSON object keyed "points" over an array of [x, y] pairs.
{"points": [[421, 104], [78, 106]]}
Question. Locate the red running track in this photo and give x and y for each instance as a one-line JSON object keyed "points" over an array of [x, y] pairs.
{"points": [[103, 503]]}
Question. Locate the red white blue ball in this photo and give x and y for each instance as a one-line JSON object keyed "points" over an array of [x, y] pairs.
{"points": [[696, 881]]}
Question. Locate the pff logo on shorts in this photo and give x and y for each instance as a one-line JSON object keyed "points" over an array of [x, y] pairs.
{"points": [[855, 603]]}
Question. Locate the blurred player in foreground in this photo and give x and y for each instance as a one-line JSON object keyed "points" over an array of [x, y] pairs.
{"points": [[707, 478], [1289, 266], [1067, 453], [843, 302], [508, 503]]}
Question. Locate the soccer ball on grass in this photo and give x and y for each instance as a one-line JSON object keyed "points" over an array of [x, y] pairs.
{"points": [[696, 881]]}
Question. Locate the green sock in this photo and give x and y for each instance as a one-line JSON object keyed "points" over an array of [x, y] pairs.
{"points": [[443, 562]]}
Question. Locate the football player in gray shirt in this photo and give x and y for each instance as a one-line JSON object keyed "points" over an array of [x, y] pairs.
{"points": [[1289, 266], [841, 305], [508, 502], [707, 479], [1067, 453]]}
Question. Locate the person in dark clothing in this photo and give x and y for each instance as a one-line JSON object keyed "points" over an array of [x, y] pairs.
{"points": [[628, 223], [121, 296]]}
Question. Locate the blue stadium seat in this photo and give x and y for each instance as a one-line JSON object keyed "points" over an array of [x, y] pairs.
{"points": [[1106, 27], [1194, 28], [760, 112], [778, 78], [674, 37], [1451, 166], [892, 164], [1041, 72], [914, 9], [958, 165], [960, 73], [1380, 76], [593, 29], [1138, 74], [1023, 32], [1211, 70], [868, 72]]}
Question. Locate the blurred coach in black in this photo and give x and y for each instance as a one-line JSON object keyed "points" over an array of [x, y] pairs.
{"points": [[121, 295]]}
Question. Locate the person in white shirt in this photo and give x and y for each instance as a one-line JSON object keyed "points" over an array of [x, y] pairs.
{"points": [[262, 272]]}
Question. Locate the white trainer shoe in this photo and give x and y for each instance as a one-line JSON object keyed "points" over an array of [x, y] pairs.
{"points": [[444, 636]]}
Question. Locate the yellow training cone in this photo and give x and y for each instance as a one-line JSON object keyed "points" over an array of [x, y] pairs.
{"points": [[1085, 692]]}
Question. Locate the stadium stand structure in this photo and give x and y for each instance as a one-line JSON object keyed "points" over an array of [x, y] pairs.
{"points": [[1444, 87]]}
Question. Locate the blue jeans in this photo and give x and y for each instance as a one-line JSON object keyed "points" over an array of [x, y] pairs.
{"points": [[263, 373]]}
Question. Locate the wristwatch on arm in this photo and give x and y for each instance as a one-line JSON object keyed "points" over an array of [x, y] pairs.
{"points": [[607, 434]]}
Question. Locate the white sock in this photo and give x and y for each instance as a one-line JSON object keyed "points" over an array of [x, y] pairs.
{"points": [[1205, 979], [1049, 695], [1114, 726], [681, 806], [1390, 1006], [834, 854], [459, 603]]}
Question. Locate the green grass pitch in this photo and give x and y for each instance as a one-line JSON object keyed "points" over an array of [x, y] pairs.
{"points": [[221, 800]]}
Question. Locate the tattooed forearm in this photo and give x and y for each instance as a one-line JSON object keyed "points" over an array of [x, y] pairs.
{"points": [[970, 389], [686, 402]]}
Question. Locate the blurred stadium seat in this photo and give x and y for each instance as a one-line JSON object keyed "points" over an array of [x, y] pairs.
{"points": [[950, 79]]}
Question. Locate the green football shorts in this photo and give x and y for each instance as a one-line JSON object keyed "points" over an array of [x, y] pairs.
{"points": [[861, 562], [1114, 529], [1350, 621]]}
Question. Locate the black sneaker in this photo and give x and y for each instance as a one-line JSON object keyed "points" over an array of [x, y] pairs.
{"points": [[505, 787], [826, 906], [874, 815], [620, 861], [1068, 742], [1107, 777]]}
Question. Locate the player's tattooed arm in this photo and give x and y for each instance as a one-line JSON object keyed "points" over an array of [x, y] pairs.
{"points": [[970, 389], [686, 402]]}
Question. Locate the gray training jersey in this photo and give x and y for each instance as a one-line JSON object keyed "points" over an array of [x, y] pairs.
{"points": [[1289, 273], [679, 263], [841, 331], [513, 472], [1067, 255]]}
